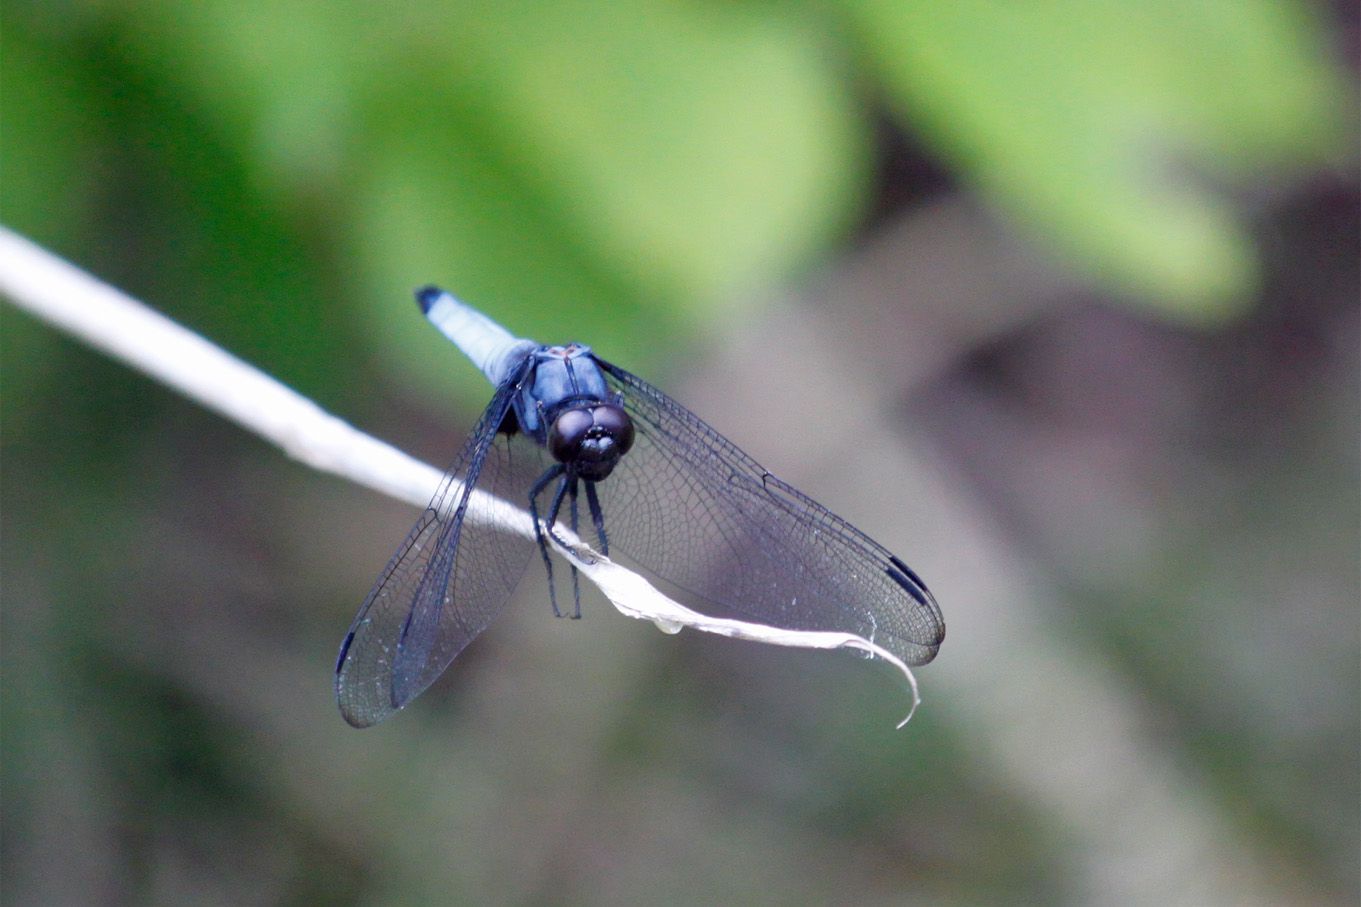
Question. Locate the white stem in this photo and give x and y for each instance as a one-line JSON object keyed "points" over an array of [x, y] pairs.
{"points": [[110, 320]]}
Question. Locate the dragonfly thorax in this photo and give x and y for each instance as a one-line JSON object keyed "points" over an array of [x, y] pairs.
{"points": [[590, 439]]}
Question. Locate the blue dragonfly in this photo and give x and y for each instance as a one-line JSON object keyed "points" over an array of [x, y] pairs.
{"points": [[664, 493]]}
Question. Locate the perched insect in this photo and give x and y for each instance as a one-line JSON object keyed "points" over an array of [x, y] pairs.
{"points": [[672, 495]]}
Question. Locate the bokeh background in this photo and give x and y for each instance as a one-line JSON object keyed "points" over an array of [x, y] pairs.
{"points": [[1059, 300]]}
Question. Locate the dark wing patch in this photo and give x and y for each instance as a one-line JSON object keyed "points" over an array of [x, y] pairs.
{"points": [[903, 576]]}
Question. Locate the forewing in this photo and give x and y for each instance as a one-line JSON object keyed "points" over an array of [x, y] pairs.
{"points": [[690, 507], [447, 580]]}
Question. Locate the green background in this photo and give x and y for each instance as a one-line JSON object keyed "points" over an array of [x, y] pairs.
{"points": [[1084, 276]]}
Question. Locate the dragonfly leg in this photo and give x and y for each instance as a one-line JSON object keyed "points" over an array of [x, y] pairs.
{"points": [[552, 473], [597, 517], [575, 520], [554, 510]]}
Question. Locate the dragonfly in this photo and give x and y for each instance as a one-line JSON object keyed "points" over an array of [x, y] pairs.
{"points": [[575, 438]]}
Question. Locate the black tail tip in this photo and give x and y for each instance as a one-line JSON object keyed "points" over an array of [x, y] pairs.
{"points": [[426, 297]]}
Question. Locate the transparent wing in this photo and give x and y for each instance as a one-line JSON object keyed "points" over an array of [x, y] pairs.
{"points": [[688, 506], [447, 581]]}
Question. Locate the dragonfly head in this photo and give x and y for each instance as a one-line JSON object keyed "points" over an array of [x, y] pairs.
{"points": [[591, 439]]}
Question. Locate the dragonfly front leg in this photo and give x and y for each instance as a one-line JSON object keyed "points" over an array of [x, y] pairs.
{"points": [[569, 483], [552, 473], [575, 520], [597, 517]]}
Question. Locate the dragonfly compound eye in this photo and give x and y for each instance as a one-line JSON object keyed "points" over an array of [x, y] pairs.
{"points": [[616, 423], [568, 431], [591, 440]]}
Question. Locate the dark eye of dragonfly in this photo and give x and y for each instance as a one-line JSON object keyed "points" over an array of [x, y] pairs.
{"points": [[591, 439]]}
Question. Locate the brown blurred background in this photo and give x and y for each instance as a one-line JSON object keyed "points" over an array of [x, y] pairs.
{"points": [[1059, 301]]}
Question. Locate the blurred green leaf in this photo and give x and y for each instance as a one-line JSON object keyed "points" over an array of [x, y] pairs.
{"points": [[1107, 125], [569, 167], [45, 141], [47, 132], [726, 147], [516, 166]]}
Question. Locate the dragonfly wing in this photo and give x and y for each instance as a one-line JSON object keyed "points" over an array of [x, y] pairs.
{"points": [[447, 580], [688, 506]]}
